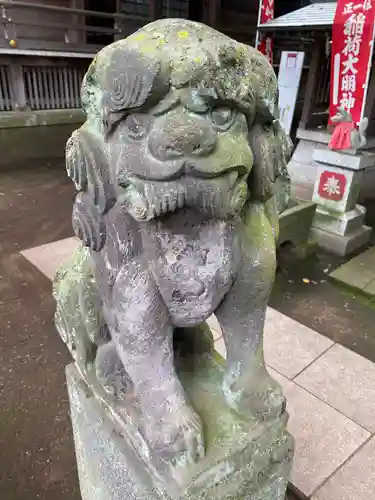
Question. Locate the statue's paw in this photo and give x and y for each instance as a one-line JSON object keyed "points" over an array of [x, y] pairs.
{"points": [[264, 403], [177, 437], [260, 396]]}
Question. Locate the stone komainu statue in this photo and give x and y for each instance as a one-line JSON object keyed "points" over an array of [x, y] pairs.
{"points": [[176, 170]]}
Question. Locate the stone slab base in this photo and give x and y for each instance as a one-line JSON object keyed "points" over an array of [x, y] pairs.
{"points": [[342, 245], [342, 224], [295, 223], [254, 464]]}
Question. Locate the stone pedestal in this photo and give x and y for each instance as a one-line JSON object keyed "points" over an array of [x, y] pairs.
{"points": [[243, 460], [339, 221], [303, 167]]}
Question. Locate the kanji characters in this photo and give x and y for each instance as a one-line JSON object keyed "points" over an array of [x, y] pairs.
{"points": [[349, 83], [352, 45], [347, 100], [352, 35], [367, 5], [355, 24], [350, 7], [332, 186], [349, 65]]}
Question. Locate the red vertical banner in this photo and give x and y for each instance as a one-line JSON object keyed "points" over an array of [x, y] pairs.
{"points": [[265, 43], [352, 47]]}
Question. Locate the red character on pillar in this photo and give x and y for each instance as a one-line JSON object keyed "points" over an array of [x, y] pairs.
{"points": [[332, 185]]}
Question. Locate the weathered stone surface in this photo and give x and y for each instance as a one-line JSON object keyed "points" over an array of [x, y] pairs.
{"points": [[180, 170], [340, 223], [295, 223], [242, 461], [359, 161], [342, 245]]}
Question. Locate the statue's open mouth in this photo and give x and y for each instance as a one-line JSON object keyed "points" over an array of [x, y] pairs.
{"points": [[215, 195]]}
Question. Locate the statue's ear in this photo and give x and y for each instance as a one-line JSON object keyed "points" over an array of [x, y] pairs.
{"points": [[267, 100], [87, 166], [263, 174], [272, 150]]}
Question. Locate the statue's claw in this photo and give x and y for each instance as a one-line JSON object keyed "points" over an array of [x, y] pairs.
{"points": [[177, 437]]}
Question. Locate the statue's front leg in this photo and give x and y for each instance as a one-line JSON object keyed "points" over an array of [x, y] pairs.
{"points": [[143, 334], [247, 384]]}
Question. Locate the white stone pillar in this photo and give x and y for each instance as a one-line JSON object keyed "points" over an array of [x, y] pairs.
{"points": [[339, 221]]}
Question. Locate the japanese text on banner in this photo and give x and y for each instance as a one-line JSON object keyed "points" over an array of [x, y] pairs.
{"points": [[352, 45], [266, 13]]}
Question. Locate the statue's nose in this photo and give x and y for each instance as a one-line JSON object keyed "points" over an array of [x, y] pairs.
{"points": [[174, 137]]}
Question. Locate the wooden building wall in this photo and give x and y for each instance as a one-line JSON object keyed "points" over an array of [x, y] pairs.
{"points": [[32, 24], [236, 18], [37, 80]]}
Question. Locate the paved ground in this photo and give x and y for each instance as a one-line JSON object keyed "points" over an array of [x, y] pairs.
{"points": [[36, 451], [330, 395], [334, 311]]}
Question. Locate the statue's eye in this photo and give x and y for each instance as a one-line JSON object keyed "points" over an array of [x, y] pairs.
{"points": [[136, 125], [222, 117]]}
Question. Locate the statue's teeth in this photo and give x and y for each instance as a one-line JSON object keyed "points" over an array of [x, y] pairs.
{"points": [[180, 198], [165, 203]]}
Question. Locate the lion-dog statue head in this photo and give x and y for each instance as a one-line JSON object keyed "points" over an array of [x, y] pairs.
{"points": [[176, 169]]}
